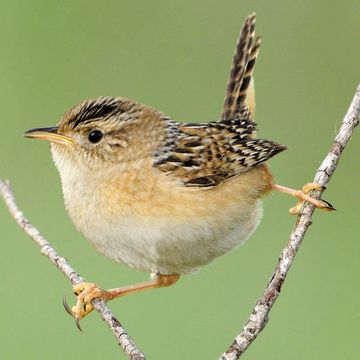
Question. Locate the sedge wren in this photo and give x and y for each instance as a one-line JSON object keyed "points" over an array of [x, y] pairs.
{"points": [[162, 196]]}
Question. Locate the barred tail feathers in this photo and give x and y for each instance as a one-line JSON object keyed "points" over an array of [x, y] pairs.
{"points": [[240, 95]]}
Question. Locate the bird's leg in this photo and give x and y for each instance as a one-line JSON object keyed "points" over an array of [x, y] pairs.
{"points": [[86, 292], [303, 196]]}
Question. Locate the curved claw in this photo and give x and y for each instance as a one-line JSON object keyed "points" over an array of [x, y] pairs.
{"points": [[77, 322], [68, 310], [66, 307], [329, 207]]}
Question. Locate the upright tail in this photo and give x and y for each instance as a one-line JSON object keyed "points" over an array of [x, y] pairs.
{"points": [[240, 95]]}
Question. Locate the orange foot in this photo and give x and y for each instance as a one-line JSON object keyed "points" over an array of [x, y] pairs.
{"points": [[303, 197], [87, 292]]}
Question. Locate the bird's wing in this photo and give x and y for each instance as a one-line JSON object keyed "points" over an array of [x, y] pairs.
{"points": [[206, 155], [240, 95]]}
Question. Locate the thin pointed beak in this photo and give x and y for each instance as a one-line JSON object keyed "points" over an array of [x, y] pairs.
{"points": [[49, 134]]}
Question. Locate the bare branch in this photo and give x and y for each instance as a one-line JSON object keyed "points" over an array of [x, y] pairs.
{"points": [[263, 306], [121, 335], [259, 316]]}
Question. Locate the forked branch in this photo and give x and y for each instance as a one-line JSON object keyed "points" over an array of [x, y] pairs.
{"points": [[260, 314]]}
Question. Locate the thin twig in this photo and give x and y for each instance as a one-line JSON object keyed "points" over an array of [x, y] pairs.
{"points": [[260, 313], [259, 316], [121, 335]]}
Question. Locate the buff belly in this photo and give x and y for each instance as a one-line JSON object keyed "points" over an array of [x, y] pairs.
{"points": [[149, 222], [171, 246]]}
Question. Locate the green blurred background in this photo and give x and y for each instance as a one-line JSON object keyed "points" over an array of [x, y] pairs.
{"points": [[175, 56]]}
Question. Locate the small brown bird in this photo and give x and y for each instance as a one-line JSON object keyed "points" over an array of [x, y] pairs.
{"points": [[162, 196]]}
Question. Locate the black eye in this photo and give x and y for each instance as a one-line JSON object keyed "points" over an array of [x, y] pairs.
{"points": [[95, 136]]}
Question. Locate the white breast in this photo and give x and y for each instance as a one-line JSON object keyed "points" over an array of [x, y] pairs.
{"points": [[162, 244], [137, 231]]}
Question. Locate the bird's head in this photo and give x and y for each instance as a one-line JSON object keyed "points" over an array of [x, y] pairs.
{"points": [[100, 133]]}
